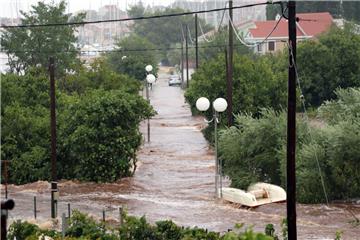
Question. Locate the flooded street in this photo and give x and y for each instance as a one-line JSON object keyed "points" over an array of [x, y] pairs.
{"points": [[175, 180]]}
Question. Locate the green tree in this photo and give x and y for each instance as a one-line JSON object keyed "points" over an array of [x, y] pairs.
{"points": [[331, 62], [163, 32], [100, 76], [254, 85], [137, 10], [32, 46], [130, 60], [100, 135], [25, 125], [96, 117]]}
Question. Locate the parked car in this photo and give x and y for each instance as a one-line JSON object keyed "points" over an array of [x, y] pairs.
{"points": [[174, 80]]}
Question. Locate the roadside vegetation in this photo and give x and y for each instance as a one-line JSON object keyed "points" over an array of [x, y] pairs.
{"points": [[254, 149], [98, 109], [82, 226]]}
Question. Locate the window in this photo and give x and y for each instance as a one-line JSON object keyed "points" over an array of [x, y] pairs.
{"points": [[259, 48], [271, 46]]}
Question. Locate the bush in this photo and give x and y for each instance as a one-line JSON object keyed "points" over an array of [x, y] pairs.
{"points": [[100, 135], [250, 149], [81, 226], [326, 157], [328, 63], [98, 115], [21, 230]]}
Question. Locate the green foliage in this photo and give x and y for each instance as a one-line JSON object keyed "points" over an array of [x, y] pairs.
{"points": [[28, 47], [25, 125], [131, 62], [326, 157], [98, 111], [21, 230], [81, 226], [100, 75], [100, 134], [163, 32], [346, 106], [254, 85], [250, 149], [329, 63]]}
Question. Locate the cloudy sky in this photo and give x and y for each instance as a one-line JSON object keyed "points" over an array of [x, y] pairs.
{"points": [[10, 8]]}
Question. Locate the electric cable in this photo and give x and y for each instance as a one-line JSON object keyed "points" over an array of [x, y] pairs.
{"points": [[222, 17], [190, 37], [256, 44], [134, 18], [203, 34], [126, 50], [302, 99]]}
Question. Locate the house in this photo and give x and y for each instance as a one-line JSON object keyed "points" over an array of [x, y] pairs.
{"points": [[309, 26]]}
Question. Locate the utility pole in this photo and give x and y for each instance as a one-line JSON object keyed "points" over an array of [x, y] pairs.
{"points": [[148, 99], [291, 125], [187, 56], [5, 175], [229, 82], [196, 42], [182, 55], [54, 190], [182, 61]]}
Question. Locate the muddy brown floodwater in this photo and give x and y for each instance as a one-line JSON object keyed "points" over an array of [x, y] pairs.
{"points": [[175, 180]]}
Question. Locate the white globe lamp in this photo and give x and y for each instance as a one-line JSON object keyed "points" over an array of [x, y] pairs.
{"points": [[202, 104], [150, 78], [148, 68], [220, 104]]}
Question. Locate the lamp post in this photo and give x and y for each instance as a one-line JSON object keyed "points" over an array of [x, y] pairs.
{"points": [[219, 105], [150, 79]]}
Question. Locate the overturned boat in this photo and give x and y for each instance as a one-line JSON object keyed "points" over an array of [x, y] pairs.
{"points": [[256, 195]]}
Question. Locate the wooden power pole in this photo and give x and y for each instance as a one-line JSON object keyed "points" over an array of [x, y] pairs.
{"points": [[229, 82], [187, 56], [54, 190], [291, 125], [196, 42]]}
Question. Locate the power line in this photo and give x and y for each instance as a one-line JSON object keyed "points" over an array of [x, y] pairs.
{"points": [[256, 44], [135, 18], [128, 50]]}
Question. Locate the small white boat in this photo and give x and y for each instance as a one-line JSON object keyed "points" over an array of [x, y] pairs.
{"points": [[256, 195]]}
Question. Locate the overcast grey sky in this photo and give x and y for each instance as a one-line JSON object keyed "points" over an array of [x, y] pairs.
{"points": [[10, 8]]}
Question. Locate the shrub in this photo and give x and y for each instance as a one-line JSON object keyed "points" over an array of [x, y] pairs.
{"points": [[21, 230], [100, 135], [326, 157], [81, 226], [250, 149], [97, 126]]}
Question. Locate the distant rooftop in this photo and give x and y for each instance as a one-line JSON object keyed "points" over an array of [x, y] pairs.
{"points": [[310, 24]]}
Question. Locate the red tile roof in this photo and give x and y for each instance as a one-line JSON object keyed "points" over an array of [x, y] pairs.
{"points": [[310, 24]]}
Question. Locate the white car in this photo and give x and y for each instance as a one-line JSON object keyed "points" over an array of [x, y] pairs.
{"points": [[174, 80]]}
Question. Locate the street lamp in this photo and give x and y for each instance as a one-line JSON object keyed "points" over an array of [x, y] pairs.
{"points": [[219, 105], [148, 68], [150, 79]]}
